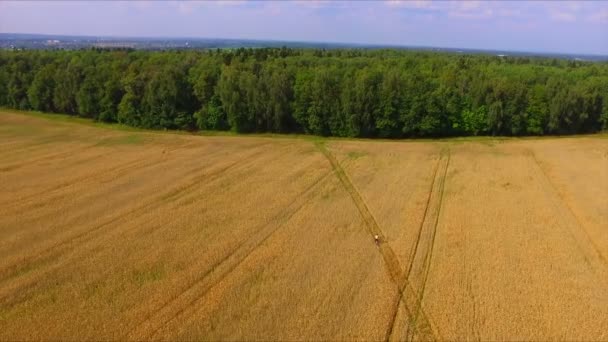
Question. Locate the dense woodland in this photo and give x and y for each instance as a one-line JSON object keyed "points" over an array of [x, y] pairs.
{"points": [[350, 93]]}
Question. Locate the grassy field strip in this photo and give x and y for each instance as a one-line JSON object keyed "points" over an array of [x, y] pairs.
{"points": [[570, 222], [56, 250], [183, 304], [396, 271]]}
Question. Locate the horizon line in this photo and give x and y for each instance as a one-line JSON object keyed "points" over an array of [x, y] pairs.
{"points": [[378, 45]]}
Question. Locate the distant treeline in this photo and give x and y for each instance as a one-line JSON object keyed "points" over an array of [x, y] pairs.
{"points": [[351, 93]]}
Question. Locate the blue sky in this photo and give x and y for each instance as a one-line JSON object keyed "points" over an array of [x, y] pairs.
{"points": [[545, 26]]}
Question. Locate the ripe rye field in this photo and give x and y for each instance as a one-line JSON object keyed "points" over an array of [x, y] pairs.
{"points": [[110, 234]]}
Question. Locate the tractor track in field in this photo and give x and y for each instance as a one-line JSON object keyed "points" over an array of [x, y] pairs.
{"points": [[435, 223], [12, 296], [414, 249], [420, 262], [117, 170], [429, 255], [58, 155], [130, 163], [189, 187], [9, 296], [56, 192], [30, 147], [396, 272], [112, 173], [473, 329], [41, 259], [473, 319], [55, 156], [424, 218], [62, 246], [44, 141], [185, 299], [569, 219]]}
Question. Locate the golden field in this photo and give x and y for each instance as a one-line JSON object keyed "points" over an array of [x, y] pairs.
{"points": [[109, 234]]}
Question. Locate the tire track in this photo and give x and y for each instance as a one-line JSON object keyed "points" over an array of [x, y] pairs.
{"points": [[424, 218], [421, 263], [184, 300], [55, 192], [55, 156], [429, 255], [49, 139], [414, 249], [391, 261], [569, 220], [112, 172], [17, 293], [10, 295], [60, 247], [473, 330], [103, 176], [472, 321], [190, 187], [63, 190], [55, 250]]}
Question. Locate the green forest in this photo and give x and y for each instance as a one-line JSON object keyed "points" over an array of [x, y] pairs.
{"points": [[346, 93]]}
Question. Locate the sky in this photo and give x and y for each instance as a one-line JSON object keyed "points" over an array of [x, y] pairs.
{"points": [[578, 27]]}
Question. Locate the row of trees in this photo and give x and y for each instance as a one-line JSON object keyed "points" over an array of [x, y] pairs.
{"points": [[354, 93]]}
